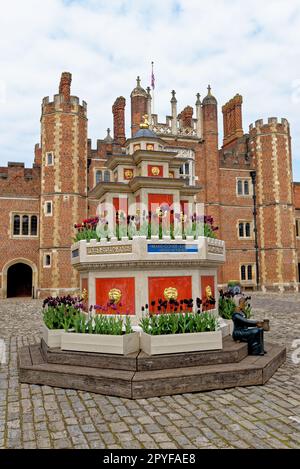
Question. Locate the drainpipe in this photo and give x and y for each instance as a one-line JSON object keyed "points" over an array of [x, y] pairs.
{"points": [[253, 178]]}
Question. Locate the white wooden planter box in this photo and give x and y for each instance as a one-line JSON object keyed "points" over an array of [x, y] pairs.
{"points": [[101, 343], [52, 337], [226, 326], [176, 343]]}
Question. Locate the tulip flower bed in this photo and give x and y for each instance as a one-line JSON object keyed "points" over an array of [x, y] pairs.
{"points": [[179, 332], [161, 223]]}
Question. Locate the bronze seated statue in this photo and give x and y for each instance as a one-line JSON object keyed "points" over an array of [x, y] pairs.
{"points": [[248, 331]]}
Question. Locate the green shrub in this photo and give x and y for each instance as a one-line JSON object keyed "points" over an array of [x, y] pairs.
{"points": [[233, 283], [226, 307]]}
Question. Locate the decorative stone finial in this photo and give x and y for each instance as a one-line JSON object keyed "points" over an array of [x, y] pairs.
{"points": [[108, 137], [138, 90], [173, 99], [209, 90], [198, 99]]}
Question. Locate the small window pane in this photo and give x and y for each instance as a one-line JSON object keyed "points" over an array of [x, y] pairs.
{"points": [[106, 176], [241, 230], [49, 207], [16, 225], [25, 225], [240, 187], [297, 228], [249, 272], [246, 187], [248, 233], [181, 170], [243, 272], [186, 168], [98, 176], [49, 158], [47, 259], [33, 227]]}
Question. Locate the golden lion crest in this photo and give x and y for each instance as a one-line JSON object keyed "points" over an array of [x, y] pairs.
{"points": [[171, 293], [115, 295]]}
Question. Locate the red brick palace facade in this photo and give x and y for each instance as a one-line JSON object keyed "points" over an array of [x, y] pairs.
{"points": [[246, 185]]}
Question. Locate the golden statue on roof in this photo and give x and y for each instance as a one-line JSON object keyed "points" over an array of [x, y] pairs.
{"points": [[145, 124]]}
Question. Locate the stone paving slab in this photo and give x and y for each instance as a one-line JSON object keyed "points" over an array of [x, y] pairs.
{"points": [[266, 416]]}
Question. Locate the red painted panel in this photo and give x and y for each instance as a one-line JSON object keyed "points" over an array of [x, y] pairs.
{"points": [[157, 200], [120, 204], [184, 206], [157, 285], [84, 284], [155, 171], [127, 288], [207, 281]]}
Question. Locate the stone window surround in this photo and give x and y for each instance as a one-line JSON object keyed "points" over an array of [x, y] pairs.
{"points": [[104, 173], [297, 227], [251, 229], [48, 153], [48, 214], [243, 179], [21, 214], [45, 265], [247, 281]]}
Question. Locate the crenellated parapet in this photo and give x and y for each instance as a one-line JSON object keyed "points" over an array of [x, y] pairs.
{"points": [[19, 181], [273, 124], [64, 101]]}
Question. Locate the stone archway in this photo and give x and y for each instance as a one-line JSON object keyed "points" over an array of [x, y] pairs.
{"points": [[19, 278]]}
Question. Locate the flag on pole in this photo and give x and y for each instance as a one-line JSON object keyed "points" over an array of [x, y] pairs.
{"points": [[152, 77]]}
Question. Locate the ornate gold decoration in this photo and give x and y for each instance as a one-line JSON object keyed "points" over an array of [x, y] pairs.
{"points": [[84, 295], [128, 173], [149, 146], [208, 292], [136, 147], [115, 295], [123, 249], [171, 293], [155, 170], [171, 174], [145, 124]]}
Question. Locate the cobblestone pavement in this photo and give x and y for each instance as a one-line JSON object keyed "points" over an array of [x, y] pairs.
{"points": [[254, 417]]}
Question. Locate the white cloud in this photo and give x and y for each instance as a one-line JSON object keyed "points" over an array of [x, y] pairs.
{"points": [[245, 47]]}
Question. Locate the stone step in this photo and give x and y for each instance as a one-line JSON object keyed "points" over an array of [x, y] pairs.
{"points": [[249, 371]]}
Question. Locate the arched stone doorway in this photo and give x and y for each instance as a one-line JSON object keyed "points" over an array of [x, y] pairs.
{"points": [[19, 280]]}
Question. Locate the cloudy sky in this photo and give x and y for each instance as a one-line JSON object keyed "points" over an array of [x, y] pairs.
{"points": [[247, 47]]}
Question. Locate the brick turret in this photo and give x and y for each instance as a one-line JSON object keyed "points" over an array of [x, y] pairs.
{"points": [[210, 135], [63, 186], [271, 150], [139, 99], [118, 111]]}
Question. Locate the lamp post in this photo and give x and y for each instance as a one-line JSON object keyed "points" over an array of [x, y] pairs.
{"points": [[253, 178]]}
